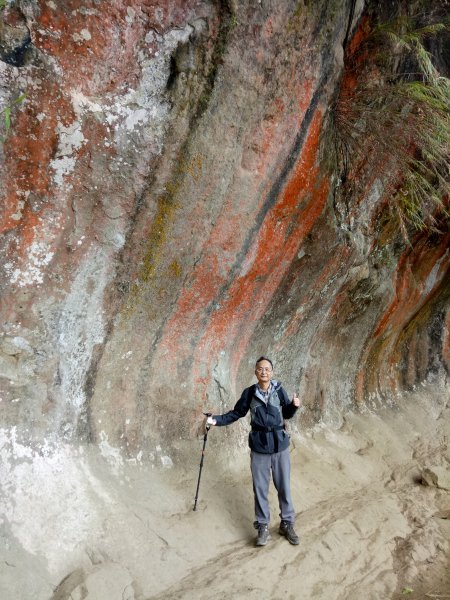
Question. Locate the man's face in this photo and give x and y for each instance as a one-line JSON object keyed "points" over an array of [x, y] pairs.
{"points": [[263, 371]]}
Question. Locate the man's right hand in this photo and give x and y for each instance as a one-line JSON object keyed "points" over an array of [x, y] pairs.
{"points": [[210, 421]]}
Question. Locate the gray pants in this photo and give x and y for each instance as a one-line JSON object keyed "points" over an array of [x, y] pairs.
{"points": [[280, 465]]}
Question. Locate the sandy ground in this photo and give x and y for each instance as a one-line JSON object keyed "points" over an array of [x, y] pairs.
{"points": [[79, 527]]}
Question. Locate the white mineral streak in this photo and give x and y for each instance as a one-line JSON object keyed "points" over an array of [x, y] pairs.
{"points": [[38, 256], [82, 104], [20, 206], [436, 274], [62, 167], [147, 106], [81, 326], [48, 490], [112, 455], [71, 139], [144, 108], [83, 36]]}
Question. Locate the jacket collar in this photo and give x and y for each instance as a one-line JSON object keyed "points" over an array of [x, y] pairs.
{"points": [[274, 385]]}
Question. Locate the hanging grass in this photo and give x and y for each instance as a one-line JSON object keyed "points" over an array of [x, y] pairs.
{"points": [[394, 117]]}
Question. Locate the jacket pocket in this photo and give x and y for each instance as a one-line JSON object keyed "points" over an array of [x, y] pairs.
{"points": [[257, 440]]}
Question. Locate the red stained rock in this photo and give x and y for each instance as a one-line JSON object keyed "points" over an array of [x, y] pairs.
{"points": [[169, 212]]}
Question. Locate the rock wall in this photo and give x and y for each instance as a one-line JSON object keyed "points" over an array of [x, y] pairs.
{"points": [[170, 211]]}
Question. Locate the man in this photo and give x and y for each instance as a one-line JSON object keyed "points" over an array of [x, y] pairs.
{"points": [[269, 405]]}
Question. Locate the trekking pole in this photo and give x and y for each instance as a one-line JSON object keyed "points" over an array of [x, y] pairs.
{"points": [[205, 437]]}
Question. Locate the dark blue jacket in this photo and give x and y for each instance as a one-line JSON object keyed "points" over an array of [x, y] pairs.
{"points": [[267, 420]]}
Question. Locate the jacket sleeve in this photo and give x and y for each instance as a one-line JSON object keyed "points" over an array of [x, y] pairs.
{"points": [[239, 411], [287, 406]]}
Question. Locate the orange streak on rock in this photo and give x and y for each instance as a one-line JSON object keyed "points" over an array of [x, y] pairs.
{"points": [[419, 276], [349, 80], [198, 296], [413, 278], [255, 308], [226, 238], [29, 149], [274, 249]]}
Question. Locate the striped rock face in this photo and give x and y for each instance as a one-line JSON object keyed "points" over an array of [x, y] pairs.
{"points": [[169, 214]]}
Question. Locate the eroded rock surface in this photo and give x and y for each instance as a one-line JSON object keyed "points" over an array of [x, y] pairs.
{"points": [[170, 210]]}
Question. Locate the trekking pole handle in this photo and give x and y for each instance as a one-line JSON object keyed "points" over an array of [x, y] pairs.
{"points": [[207, 426]]}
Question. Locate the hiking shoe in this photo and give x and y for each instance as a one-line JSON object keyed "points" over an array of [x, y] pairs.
{"points": [[287, 529], [263, 534]]}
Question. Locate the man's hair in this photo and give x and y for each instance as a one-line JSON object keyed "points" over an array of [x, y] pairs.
{"points": [[264, 358]]}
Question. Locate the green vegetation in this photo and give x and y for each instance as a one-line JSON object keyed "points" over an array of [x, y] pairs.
{"points": [[6, 111], [392, 120], [233, 21]]}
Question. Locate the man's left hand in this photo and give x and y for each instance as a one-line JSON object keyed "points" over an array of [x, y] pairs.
{"points": [[296, 401]]}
